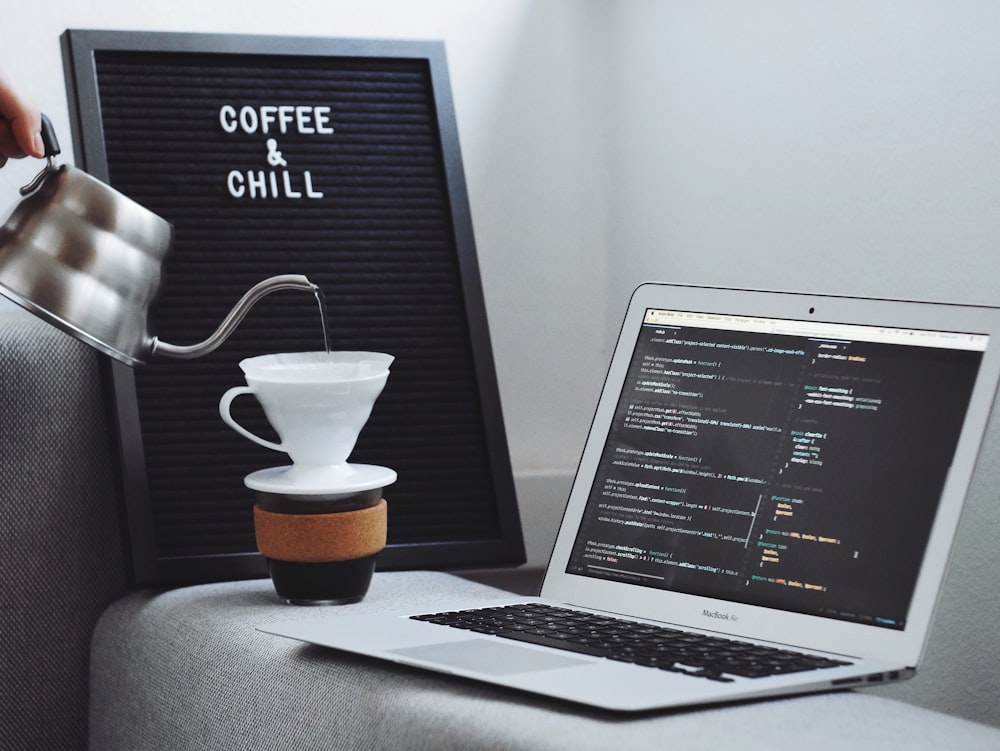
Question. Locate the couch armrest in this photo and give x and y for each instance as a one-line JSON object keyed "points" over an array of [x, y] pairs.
{"points": [[61, 558], [187, 670]]}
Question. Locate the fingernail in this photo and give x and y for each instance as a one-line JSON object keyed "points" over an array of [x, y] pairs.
{"points": [[37, 145]]}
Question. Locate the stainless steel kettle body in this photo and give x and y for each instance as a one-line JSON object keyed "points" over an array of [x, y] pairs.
{"points": [[88, 259]]}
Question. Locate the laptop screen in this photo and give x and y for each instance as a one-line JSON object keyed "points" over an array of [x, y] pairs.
{"points": [[787, 464]]}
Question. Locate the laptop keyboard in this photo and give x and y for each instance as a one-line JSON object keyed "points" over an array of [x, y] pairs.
{"points": [[714, 658]]}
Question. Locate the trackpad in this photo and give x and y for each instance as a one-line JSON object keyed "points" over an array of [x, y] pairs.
{"points": [[484, 656]]}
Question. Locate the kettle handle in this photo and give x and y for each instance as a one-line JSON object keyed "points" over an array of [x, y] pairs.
{"points": [[49, 139], [51, 144]]}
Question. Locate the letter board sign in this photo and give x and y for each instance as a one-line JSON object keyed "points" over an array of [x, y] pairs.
{"points": [[336, 159]]}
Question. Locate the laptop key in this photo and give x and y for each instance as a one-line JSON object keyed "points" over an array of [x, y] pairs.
{"points": [[549, 641], [712, 675]]}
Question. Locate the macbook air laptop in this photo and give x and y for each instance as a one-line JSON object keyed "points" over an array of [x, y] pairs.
{"points": [[764, 506]]}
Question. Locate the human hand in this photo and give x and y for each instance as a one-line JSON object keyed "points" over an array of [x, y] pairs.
{"points": [[20, 126]]}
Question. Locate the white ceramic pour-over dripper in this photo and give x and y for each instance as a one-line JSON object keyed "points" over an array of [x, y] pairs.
{"points": [[317, 403]]}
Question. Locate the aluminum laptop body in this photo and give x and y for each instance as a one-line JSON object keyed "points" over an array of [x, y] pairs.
{"points": [[781, 469]]}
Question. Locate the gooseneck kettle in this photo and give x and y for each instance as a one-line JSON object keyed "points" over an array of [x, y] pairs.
{"points": [[84, 257]]}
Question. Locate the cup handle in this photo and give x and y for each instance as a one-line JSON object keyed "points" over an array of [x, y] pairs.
{"points": [[224, 405]]}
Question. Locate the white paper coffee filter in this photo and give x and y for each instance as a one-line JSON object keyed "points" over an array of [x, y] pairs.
{"points": [[303, 367]]}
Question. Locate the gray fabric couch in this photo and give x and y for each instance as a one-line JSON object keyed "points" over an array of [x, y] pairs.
{"points": [[81, 658], [61, 561]]}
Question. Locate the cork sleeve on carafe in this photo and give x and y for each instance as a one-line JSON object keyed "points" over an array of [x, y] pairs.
{"points": [[313, 538]]}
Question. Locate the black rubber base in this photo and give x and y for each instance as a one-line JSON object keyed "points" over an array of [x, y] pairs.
{"points": [[332, 583]]}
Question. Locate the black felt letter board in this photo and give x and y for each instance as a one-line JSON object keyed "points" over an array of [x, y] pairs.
{"points": [[337, 159]]}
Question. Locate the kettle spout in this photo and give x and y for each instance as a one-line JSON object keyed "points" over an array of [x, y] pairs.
{"points": [[237, 314]]}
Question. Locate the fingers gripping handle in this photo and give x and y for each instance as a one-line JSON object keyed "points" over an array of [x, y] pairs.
{"points": [[224, 405]]}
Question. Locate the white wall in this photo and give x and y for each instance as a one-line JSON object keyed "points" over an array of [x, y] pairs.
{"points": [[847, 147]]}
